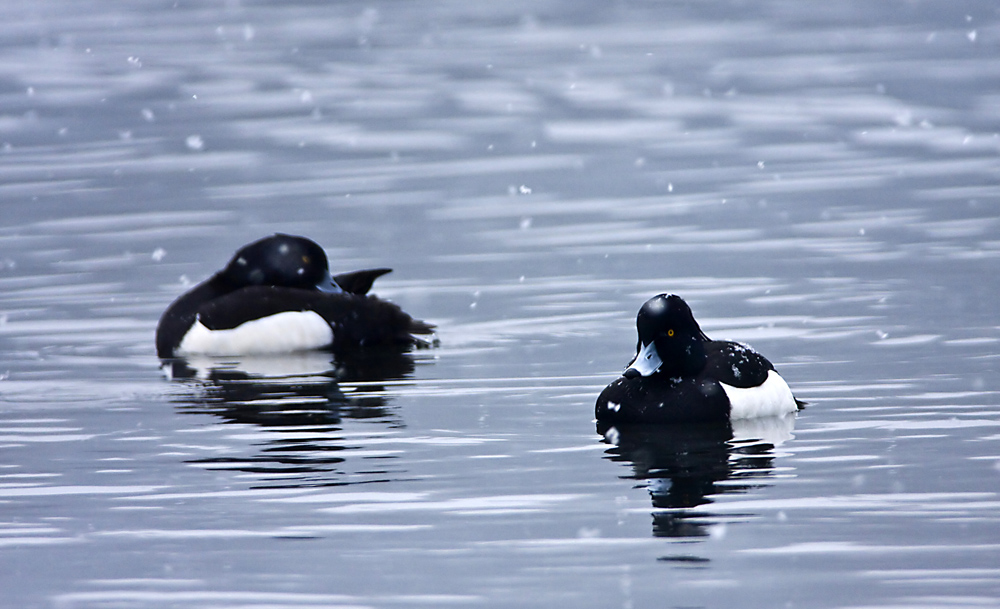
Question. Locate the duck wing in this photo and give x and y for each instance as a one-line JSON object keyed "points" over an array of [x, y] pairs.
{"points": [[359, 282], [255, 302], [356, 320], [735, 365]]}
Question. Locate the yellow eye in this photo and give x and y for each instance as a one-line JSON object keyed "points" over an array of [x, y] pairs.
{"points": [[670, 332]]}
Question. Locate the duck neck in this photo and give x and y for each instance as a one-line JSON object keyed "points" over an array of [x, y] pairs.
{"points": [[684, 360]]}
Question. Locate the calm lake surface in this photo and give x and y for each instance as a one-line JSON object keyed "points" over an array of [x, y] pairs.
{"points": [[819, 179]]}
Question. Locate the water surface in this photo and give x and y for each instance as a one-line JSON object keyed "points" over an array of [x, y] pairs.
{"points": [[819, 181]]}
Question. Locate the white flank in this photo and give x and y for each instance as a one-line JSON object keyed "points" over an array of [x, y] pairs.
{"points": [[279, 333], [771, 399]]}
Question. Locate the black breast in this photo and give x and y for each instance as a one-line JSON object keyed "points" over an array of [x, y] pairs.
{"points": [[656, 399]]}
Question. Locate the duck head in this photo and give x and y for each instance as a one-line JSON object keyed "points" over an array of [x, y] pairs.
{"points": [[281, 260], [670, 341]]}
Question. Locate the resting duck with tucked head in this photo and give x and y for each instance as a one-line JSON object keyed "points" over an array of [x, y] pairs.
{"points": [[680, 375], [276, 295]]}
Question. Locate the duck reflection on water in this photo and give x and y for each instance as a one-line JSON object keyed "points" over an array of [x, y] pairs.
{"points": [[684, 467], [303, 399], [289, 389]]}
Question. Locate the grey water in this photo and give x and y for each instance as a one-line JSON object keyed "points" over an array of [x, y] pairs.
{"points": [[821, 180]]}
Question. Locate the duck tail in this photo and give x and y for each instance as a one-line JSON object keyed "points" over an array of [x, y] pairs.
{"points": [[420, 328]]}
